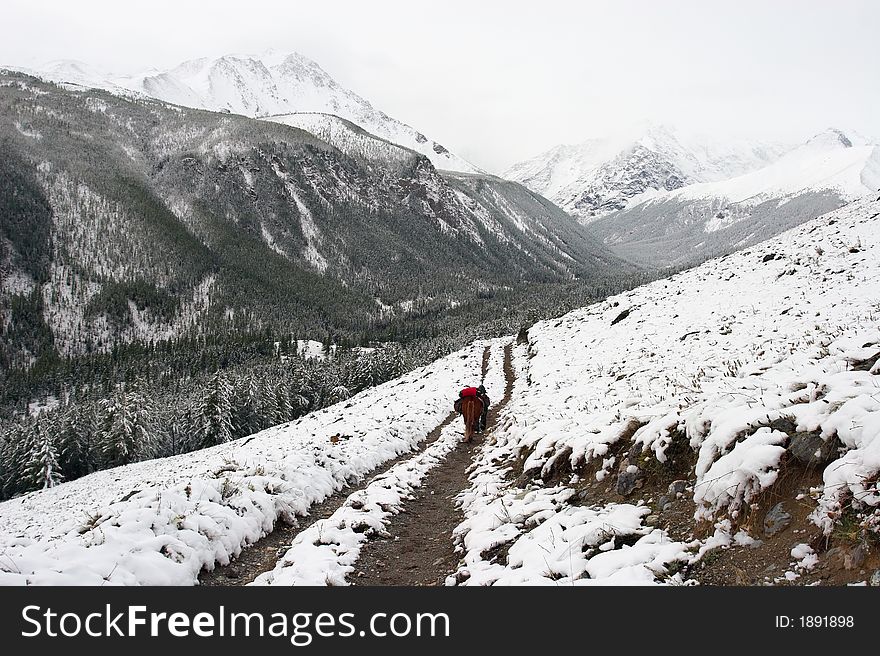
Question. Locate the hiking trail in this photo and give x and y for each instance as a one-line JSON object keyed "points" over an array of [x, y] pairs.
{"points": [[425, 522], [420, 550]]}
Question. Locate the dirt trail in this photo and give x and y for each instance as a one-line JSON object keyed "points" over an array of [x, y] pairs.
{"points": [[421, 550], [262, 556]]}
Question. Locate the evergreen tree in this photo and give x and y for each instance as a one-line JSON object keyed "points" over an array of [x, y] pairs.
{"points": [[217, 411], [339, 393], [246, 420], [74, 441], [127, 431], [42, 470], [283, 411], [268, 403], [14, 455]]}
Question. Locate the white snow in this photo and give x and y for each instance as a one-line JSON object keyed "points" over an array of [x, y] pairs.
{"points": [[308, 227], [269, 238], [805, 557], [711, 356], [36, 408], [28, 132], [162, 521], [734, 172], [270, 84], [822, 163], [565, 172], [326, 551], [718, 359], [348, 138]]}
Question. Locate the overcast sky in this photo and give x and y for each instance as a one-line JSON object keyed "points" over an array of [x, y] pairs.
{"points": [[498, 82]]}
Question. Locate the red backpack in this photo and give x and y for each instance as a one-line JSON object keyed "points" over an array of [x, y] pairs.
{"points": [[468, 391]]}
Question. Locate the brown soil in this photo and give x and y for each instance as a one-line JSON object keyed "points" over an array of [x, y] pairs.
{"points": [[765, 563], [262, 556], [421, 551]]}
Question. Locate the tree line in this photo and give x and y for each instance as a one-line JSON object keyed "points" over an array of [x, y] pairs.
{"points": [[135, 421]]}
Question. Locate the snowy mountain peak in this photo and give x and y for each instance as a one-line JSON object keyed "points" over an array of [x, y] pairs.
{"points": [[74, 71], [268, 84], [832, 137], [599, 176]]}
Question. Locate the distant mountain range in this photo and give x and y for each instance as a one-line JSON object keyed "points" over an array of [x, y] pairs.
{"points": [[655, 196], [256, 86], [131, 219], [659, 198]]}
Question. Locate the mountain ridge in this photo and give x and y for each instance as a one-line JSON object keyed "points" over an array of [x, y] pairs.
{"points": [[162, 221], [272, 83], [599, 176], [660, 200]]}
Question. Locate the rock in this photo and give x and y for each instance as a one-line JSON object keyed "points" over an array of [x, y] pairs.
{"points": [[854, 557], [652, 520], [833, 558], [811, 449], [628, 480], [620, 317], [845, 558], [776, 520], [677, 487], [875, 578], [357, 504], [663, 502]]}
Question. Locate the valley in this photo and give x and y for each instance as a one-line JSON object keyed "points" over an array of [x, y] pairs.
{"points": [[237, 300]]}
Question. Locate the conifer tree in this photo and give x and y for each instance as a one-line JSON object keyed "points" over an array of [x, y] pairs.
{"points": [[127, 433], [216, 410], [42, 470]]}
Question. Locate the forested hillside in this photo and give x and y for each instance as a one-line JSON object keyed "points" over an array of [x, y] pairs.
{"points": [[160, 263]]}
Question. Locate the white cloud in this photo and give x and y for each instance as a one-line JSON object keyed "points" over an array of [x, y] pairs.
{"points": [[500, 81]]}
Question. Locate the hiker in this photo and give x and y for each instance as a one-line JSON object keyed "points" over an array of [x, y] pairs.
{"points": [[481, 394]]}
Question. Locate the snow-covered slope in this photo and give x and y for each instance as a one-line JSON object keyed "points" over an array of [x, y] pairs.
{"points": [[730, 377], [703, 219], [339, 211], [757, 367], [257, 86], [351, 139], [829, 161], [479, 203], [161, 521], [599, 176]]}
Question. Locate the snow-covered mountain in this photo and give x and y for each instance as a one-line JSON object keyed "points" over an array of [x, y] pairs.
{"points": [[600, 176], [142, 221], [680, 225], [740, 395], [831, 160], [351, 139], [257, 86], [730, 410]]}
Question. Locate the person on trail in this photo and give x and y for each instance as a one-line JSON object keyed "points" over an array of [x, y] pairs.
{"points": [[481, 394]]}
